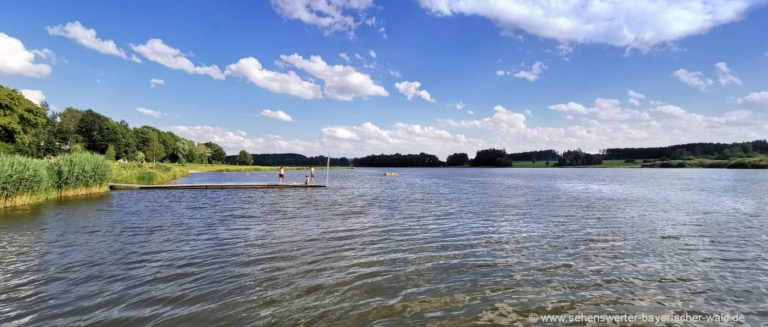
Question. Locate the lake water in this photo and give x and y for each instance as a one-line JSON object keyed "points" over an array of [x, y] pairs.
{"points": [[432, 246]]}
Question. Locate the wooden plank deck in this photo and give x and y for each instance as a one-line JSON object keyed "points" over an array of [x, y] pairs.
{"points": [[114, 186]]}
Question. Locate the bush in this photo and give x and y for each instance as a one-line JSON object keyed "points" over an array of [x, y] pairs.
{"points": [[629, 161]]}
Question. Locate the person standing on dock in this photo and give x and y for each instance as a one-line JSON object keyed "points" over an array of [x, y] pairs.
{"points": [[312, 174], [281, 175]]}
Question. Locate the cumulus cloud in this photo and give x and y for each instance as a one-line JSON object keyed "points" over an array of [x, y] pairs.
{"points": [[341, 82], [277, 115], [156, 82], [404, 138], [286, 83], [626, 24], [460, 106], [234, 141], [412, 89], [344, 56], [502, 120], [156, 50], [35, 96], [151, 113], [725, 76], [755, 99], [372, 54], [532, 74], [15, 59], [635, 97], [87, 37], [603, 109], [661, 124], [693, 79], [330, 16]]}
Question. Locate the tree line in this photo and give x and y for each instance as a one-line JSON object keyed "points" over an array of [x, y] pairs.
{"points": [[721, 151], [35, 131]]}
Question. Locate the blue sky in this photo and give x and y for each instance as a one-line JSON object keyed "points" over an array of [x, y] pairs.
{"points": [[354, 77]]}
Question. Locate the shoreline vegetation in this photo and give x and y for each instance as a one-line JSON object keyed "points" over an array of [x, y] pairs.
{"points": [[25, 181]]}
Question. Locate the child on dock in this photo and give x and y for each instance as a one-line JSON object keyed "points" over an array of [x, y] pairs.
{"points": [[281, 175]]}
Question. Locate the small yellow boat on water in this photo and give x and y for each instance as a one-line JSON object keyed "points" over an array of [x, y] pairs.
{"points": [[391, 174]]}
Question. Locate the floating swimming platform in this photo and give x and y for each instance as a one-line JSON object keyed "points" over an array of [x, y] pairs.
{"points": [[114, 186], [391, 174]]}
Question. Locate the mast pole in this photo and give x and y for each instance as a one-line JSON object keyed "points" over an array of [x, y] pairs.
{"points": [[327, 169]]}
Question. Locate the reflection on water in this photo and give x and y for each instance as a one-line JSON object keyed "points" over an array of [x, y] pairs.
{"points": [[441, 246]]}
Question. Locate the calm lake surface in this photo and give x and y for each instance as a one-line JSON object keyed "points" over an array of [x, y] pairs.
{"points": [[432, 246]]}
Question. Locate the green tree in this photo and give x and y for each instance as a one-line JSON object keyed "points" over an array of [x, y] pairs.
{"points": [[244, 158], [203, 153], [21, 122], [457, 159], [110, 153], [97, 131], [217, 152], [140, 156], [154, 150], [66, 128]]}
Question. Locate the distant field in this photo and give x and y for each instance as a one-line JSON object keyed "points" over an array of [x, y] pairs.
{"points": [[232, 168]]}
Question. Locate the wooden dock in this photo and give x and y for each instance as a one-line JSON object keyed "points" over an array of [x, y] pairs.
{"points": [[114, 186]]}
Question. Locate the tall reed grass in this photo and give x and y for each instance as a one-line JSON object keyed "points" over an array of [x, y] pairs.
{"points": [[24, 180]]}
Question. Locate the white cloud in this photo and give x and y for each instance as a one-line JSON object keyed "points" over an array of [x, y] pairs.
{"points": [[35, 96], [234, 141], [372, 53], [603, 109], [277, 114], [502, 120], [15, 59], [570, 108], [341, 82], [161, 53], [411, 89], [755, 99], [344, 56], [470, 112], [328, 15], [627, 24], [286, 83], [659, 125], [369, 138], [502, 73], [460, 106], [87, 37], [151, 113], [532, 74], [725, 76], [395, 73], [694, 79], [155, 82], [635, 97]]}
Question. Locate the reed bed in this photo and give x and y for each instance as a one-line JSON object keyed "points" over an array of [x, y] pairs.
{"points": [[24, 180]]}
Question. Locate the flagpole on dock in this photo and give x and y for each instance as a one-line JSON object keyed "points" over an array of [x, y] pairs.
{"points": [[327, 169]]}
